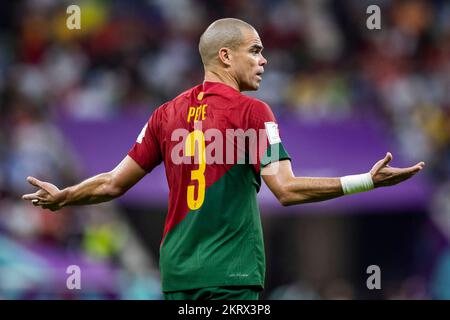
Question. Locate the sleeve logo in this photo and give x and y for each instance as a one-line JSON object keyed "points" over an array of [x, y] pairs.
{"points": [[142, 134], [272, 132]]}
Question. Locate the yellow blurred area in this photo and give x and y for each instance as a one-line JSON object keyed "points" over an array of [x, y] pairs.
{"points": [[94, 14], [412, 17], [104, 241]]}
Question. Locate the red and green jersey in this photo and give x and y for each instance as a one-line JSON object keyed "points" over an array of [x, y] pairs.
{"points": [[206, 139]]}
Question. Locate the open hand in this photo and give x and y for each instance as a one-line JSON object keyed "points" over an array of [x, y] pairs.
{"points": [[385, 175], [48, 196]]}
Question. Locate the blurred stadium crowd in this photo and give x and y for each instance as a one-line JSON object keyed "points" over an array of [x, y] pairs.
{"points": [[131, 56]]}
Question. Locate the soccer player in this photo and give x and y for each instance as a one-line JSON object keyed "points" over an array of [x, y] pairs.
{"points": [[212, 245]]}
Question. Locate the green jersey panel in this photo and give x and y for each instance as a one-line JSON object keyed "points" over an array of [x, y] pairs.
{"points": [[220, 244]]}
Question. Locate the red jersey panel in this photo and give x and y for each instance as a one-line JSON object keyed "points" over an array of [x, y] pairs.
{"points": [[214, 105]]}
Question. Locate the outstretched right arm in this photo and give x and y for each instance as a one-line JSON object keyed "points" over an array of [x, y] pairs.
{"points": [[100, 188]]}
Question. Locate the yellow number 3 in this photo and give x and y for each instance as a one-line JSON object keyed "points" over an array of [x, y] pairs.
{"points": [[196, 138]]}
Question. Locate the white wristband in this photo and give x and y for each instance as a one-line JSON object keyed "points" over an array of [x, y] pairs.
{"points": [[357, 183]]}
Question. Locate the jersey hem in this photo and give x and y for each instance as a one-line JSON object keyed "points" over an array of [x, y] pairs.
{"points": [[167, 289]]}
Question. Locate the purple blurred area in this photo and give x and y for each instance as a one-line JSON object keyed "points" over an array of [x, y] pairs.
{"points": [[329, 149]]}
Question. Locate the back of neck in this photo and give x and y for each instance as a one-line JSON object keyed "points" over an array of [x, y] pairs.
{"points": [[223, 77]]}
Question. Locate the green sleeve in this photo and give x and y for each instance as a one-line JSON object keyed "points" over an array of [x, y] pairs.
{"points": [[275, 152]]}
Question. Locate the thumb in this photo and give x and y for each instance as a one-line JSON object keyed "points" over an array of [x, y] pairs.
{"points": [[386, 159], [382, 163]]}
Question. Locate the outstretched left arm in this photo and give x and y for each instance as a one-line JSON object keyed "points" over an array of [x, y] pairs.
{"points": [[291, 190]]}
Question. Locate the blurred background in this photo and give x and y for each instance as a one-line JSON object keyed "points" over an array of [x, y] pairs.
{"points": [[72, 103]]}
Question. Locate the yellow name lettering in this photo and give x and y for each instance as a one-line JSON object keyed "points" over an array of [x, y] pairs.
{"points": [[197, 113], [204, 111], [190, 113]]}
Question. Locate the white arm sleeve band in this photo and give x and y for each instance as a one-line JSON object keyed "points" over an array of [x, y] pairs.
{"points": [[357, 183]]}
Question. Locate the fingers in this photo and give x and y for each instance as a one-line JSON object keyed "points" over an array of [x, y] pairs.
{"points": [[40, 194], [408, 170], [40, 197], [32, 196], [44, 204], [402, 174], [35, 182], [416, 168], [40, 203]]}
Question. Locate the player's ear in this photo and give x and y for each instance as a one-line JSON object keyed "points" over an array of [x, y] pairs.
{"points": [[225, 56]]}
